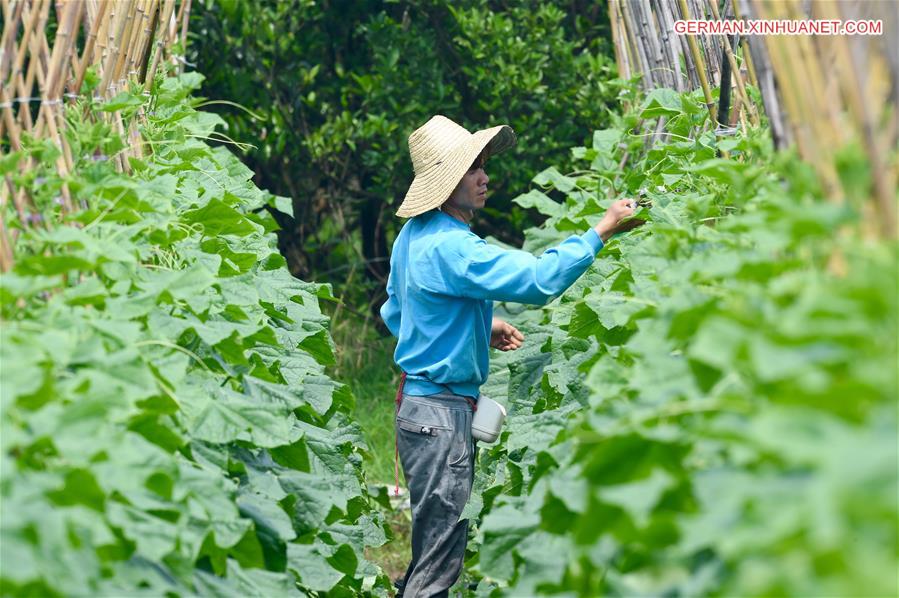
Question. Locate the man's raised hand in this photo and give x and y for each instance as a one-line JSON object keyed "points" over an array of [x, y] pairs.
{"points": [[614, 220]]}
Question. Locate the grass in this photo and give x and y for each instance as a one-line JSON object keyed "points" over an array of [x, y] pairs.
{"points": [[365, 364]]}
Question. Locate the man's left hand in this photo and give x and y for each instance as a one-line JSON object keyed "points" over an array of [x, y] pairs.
{"points": [[504, 336]]}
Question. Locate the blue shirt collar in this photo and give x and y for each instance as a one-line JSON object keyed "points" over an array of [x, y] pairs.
{"points": [[455, 221]]}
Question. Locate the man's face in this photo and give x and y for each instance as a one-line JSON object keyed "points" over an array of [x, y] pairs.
{"points": [[471, 192]]}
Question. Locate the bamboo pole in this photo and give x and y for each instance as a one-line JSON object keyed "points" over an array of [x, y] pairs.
{"points": [[90, 43], [18, 198], [630, 43], [692, 73], [747, 55], [51, 106], [638, 37], [782, 135], [695, 12], [11, 17], [635, 45], [794, 70], [829, 131], [672, 53], [56, 68], [697, 58], [140, 26], [73, 65], [185, 20], [65, 39], [7, 259], [102, 45], [620, 58], [124, 46], [34, 21], [26, 15], [735, 72], [141, 20], [56, 106], [787, 89], [852, 86], [9, 120], [814, 74], [644, 14], [148, 48], [116, 33], [162, 40], [90, 14]]}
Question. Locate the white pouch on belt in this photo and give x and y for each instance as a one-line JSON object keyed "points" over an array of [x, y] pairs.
{"points": [[488, 420]]}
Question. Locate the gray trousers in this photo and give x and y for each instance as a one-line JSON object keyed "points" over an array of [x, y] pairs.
{"points": [[437, 453]]}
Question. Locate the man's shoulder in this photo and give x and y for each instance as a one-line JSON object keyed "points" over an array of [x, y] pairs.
{"points": [[435, 233]]}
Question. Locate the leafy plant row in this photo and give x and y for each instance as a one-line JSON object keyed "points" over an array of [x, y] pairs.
{"points": [[168, 427], [711, 408]]}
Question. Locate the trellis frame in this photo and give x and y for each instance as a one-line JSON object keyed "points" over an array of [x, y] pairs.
{"points": [[127, 40]]}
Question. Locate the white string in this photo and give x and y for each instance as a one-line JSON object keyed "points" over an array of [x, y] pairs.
{"points": [[24, 100], [69, 95], [181, 59]]}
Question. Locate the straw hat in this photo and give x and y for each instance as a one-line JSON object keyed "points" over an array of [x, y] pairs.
{"points": [[442, 152]]}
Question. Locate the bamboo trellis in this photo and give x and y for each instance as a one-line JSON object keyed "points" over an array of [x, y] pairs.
{"points": [[126, 40], [820, 92]]}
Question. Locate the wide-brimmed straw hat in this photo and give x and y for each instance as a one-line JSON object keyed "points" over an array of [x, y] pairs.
{"points": [[442, 152]]}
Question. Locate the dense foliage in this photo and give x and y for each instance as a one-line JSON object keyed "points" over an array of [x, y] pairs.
{"points": [[335, 88], [711, 408], [167, 424]]}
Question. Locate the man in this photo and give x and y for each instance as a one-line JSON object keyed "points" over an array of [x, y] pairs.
{"points": [[442, 284]]}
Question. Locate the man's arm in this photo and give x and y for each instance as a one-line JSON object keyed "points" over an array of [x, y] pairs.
{"points": [[466, 266], [390, 311]]}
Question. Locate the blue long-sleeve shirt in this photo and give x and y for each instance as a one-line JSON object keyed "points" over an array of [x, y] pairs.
{"points": [[442, 284]]}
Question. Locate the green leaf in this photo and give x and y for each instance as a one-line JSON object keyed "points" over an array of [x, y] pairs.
{"points": [[504, 528], [215, 218], [222, 415], [185, 284], [540, 201], [121, 101], [614, 309], [50, 265], [319, 346], [14, 286], [605, 142], [257, 583], [282, 204], [638, 498], [661, 102], [551, 176], [309, 562], [717, 343]]}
